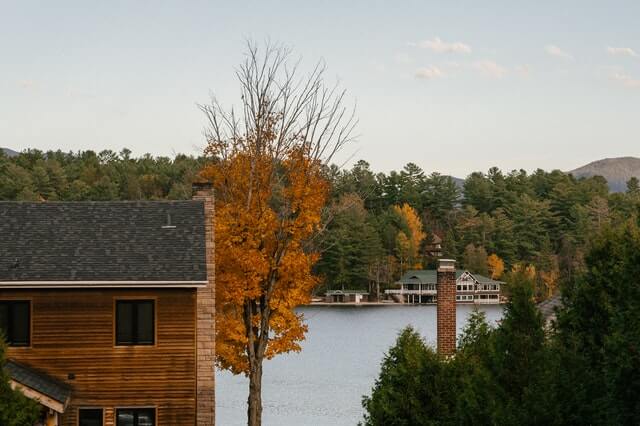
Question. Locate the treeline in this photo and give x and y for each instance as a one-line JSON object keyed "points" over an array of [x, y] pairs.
{"points": [[378, 225], [59, 176], [583, 368], [493, 221]]}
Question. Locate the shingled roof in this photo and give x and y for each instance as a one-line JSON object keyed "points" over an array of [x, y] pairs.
{"points": [[430, 276], [39, 382], [93, 242]]}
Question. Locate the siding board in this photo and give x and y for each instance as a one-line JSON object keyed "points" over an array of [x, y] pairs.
{"points": [[73, 333]]}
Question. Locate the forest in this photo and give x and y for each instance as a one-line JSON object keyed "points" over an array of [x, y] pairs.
{"points": [[377, 225], [581, 368]]}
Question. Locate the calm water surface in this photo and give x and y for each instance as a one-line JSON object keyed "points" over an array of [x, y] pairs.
{"points": [[339, 362]]}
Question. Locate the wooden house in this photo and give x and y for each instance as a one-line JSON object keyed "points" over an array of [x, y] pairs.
{"points": [[108, 309], [420, 287]]}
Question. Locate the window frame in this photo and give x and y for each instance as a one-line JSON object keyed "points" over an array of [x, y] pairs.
{"points": [[154, 305], [146, 408], [29, 302], [102, 410]]}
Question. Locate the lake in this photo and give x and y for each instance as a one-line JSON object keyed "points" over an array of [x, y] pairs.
{"points": [[339, 362]]}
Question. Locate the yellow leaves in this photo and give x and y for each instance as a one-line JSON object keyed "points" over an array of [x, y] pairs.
{"points": [[550, 280], [264, 214], [495, 265], [410, 251], [529, 271]]}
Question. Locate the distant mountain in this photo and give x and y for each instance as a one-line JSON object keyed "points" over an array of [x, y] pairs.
{"points": [[459, 182], [617, 171], [9, 152]]}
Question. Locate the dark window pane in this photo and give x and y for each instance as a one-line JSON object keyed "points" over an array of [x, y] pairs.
{"points": [[4, 320], [125, 418], [90, 417], [19, 330], [145, 322], [134, 322], [136, 417], [146, 418], [124, 323]]}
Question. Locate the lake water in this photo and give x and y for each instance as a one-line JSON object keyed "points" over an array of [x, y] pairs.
{"points": [[339, 362]]}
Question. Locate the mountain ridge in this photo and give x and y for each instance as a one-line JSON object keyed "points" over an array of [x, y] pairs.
{"points": [[616, 170], [9, 152]]}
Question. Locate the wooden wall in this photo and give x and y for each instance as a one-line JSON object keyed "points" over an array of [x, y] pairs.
{"points": [[73, 333]]}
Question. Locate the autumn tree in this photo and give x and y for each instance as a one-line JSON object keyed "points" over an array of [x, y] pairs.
{"points": [[495, 266], [409, 239], [267, 167]]}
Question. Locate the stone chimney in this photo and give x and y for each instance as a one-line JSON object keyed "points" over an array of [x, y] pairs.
{"points": [[446, 289], [205, 320]]}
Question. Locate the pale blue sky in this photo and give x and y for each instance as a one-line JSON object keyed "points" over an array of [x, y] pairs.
{"points": [[452, 86]]}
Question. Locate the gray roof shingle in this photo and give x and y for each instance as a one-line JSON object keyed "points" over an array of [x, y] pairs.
{"points": [[102, 241], [38, 381]]}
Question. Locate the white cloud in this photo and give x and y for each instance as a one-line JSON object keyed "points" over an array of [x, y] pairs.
{"points": [[439, 46], [429, 73], [625, 79], [554, 50], [490, 69], [622, 51]]}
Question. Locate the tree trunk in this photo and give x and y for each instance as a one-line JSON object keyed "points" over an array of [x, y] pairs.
{"points": [[255, 394]]}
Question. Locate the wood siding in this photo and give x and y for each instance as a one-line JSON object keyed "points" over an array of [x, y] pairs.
{"points": [[73, 333]]}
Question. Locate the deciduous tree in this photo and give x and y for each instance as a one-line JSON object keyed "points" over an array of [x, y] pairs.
{"points": [[415, 235], [267, 167], [495, 266]]}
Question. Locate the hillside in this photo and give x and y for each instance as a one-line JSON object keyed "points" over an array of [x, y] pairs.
{"points": [[9, 152], [617, 171]]}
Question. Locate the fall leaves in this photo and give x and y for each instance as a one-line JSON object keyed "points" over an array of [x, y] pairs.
{"points": [[408, 243], [261, 261]]}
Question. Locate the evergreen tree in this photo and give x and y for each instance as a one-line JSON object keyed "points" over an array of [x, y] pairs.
{"points": [[15, 408]]}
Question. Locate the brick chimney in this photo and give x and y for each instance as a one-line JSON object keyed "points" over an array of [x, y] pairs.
{"points": [[205, 324], [446, 289]]}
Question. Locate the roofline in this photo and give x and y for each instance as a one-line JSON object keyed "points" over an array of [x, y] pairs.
{"points": [[39, 397], [103, 284]]}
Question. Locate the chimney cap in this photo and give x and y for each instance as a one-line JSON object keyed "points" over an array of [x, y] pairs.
{"points": [[446, 265], [201, 186]]}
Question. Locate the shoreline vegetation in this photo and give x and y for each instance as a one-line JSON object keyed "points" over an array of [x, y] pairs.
{"points": [[581, 368], [378, 224]]}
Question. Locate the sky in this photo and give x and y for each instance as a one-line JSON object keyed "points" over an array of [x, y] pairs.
{"points": [[453, 86]]}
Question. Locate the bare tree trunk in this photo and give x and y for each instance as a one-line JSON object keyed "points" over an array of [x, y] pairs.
{"points": [[254, 413]]}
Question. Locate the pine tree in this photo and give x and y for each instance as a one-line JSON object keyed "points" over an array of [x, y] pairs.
{"points": [[15, 408]]}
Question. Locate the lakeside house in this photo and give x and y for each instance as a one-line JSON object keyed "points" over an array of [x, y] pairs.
{"points": [[419, 287], [108, 309], [346, 296]]}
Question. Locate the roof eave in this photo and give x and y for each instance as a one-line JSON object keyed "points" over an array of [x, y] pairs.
{"points": [[102, 284]]}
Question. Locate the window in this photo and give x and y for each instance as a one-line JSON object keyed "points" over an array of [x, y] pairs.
{"points": [[135, 417], [135, 322], [15, 322], [90, 417]]}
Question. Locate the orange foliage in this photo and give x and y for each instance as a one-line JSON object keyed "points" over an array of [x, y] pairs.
{"points": [[495, 266], [416, 234], [265, 211], [529, 271], [550, 280]]}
